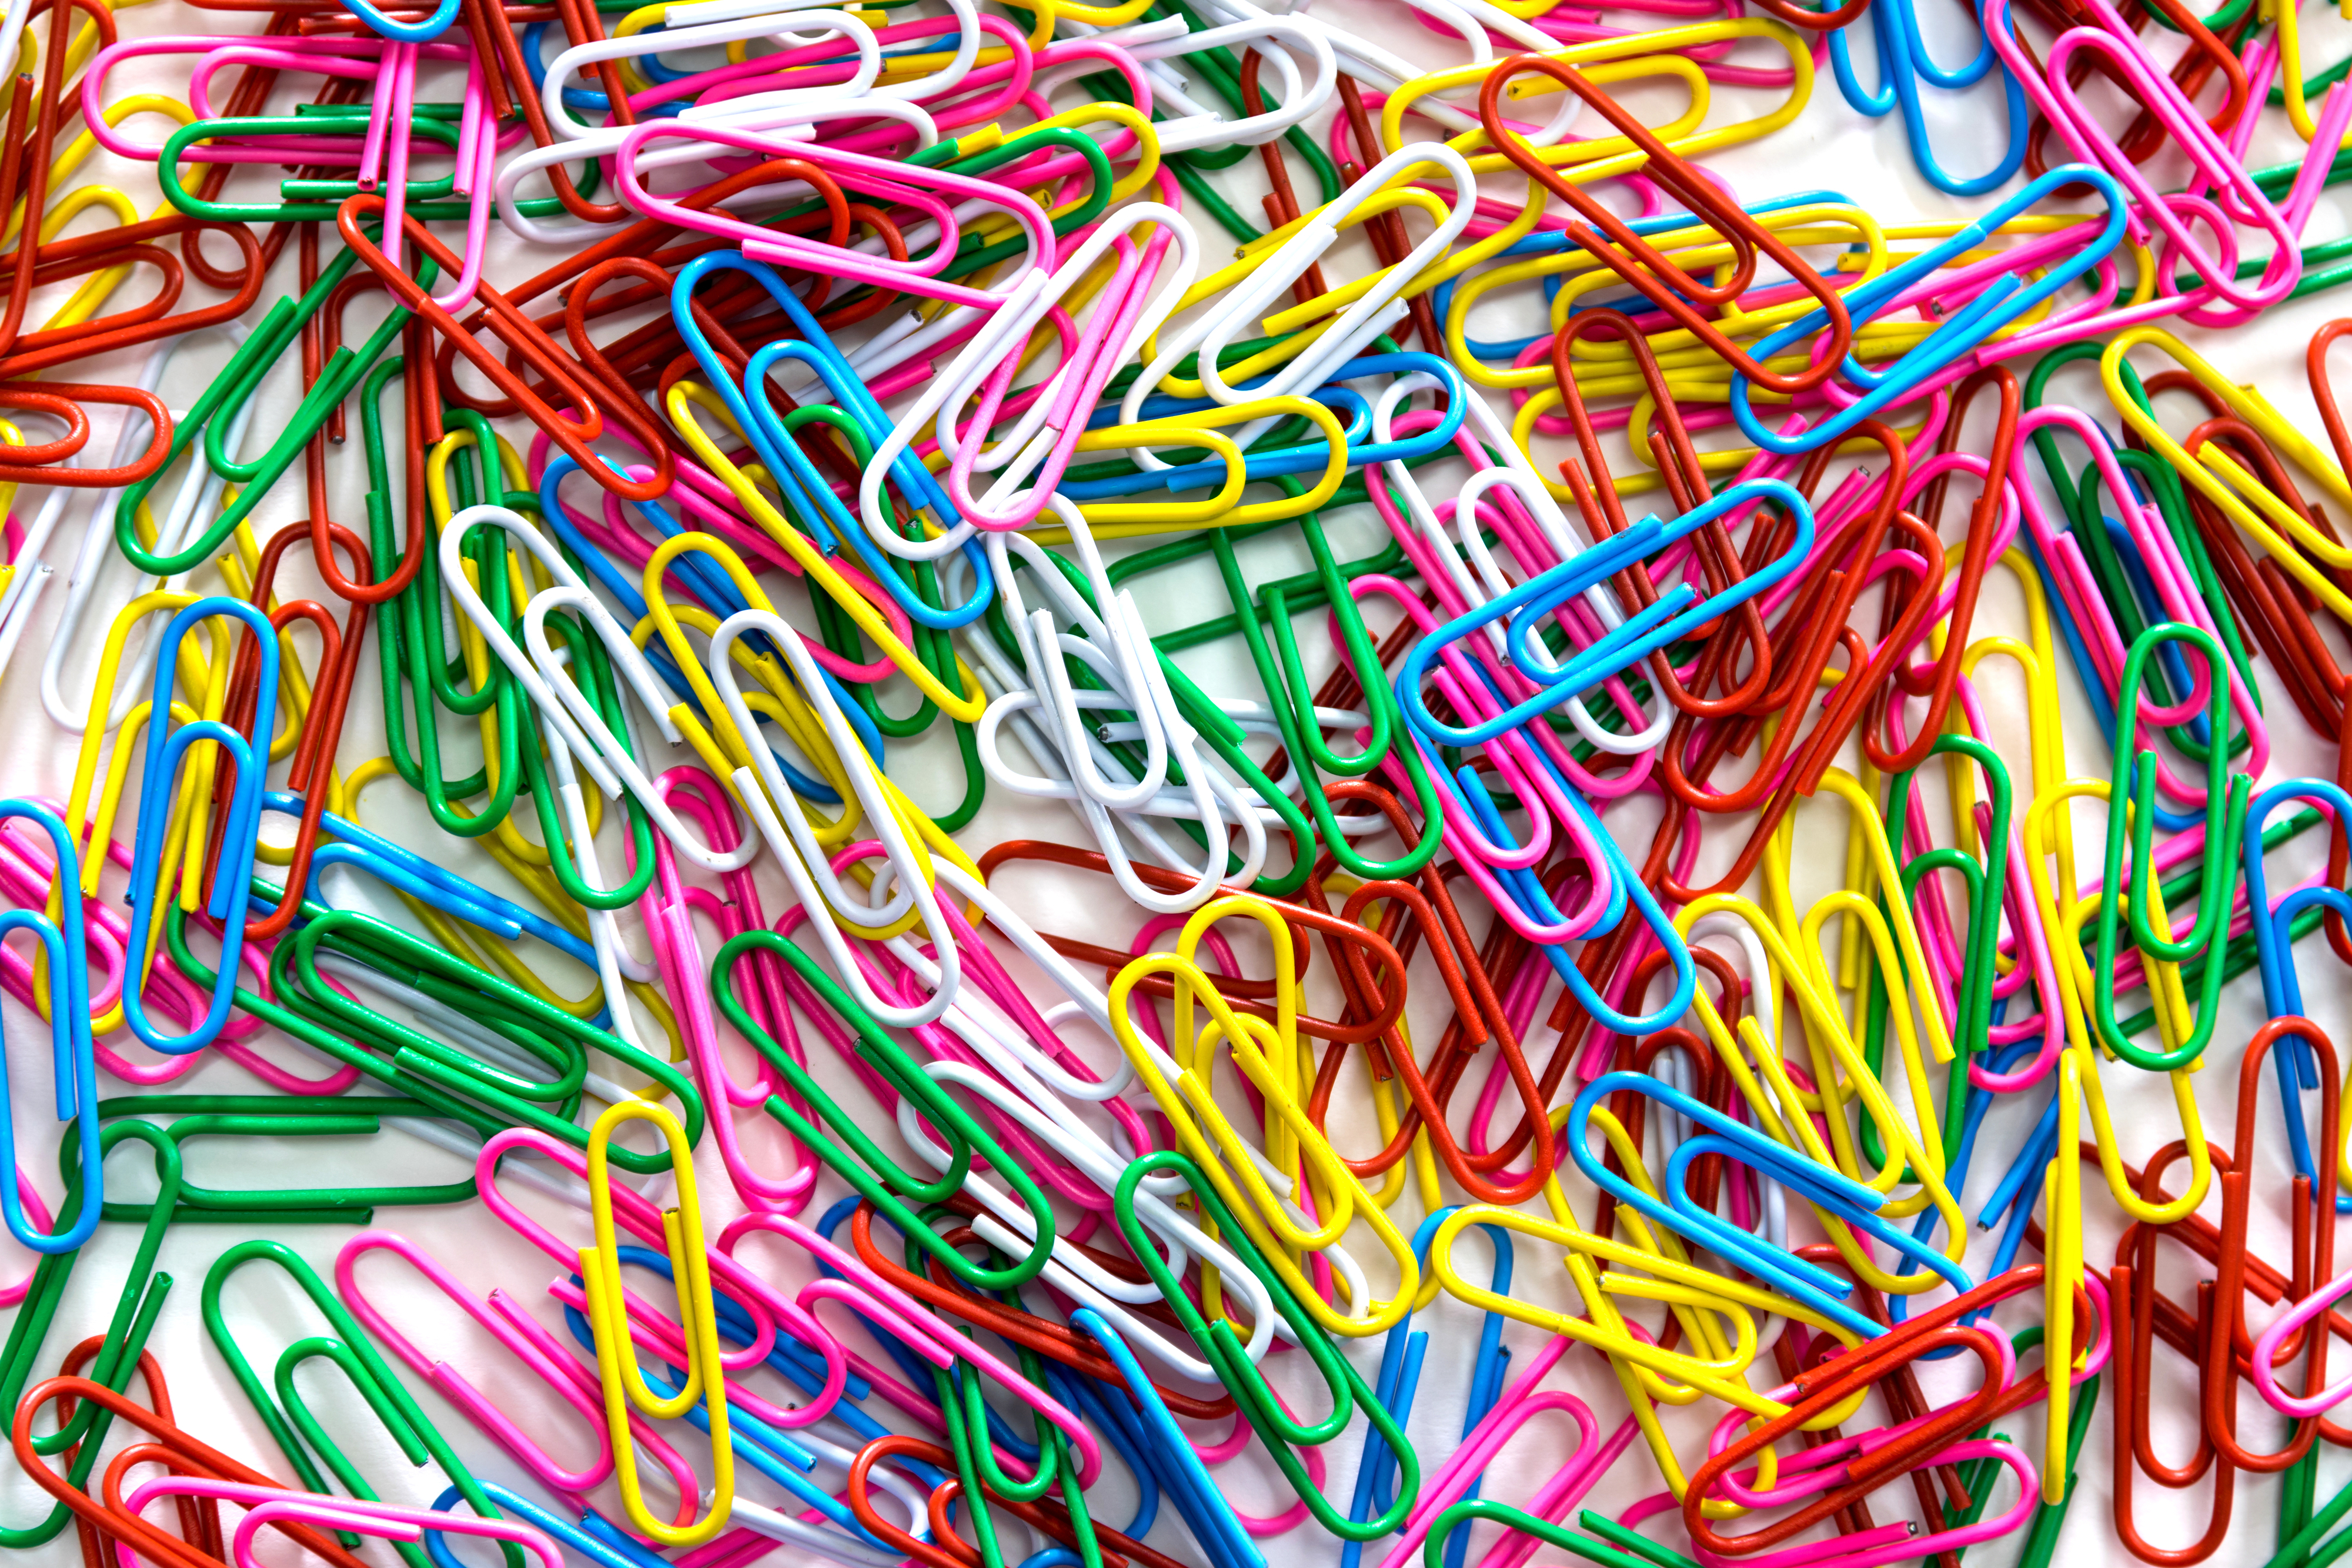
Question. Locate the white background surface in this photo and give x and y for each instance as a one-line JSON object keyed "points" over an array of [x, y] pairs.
{"points": [[1830, 148]]}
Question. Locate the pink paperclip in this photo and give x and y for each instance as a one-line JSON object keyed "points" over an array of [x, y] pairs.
{"points": [[1885, 1542], [634, 1213], [868, 1293], [455, 1386], [2207, 154], [668, 913], [898, 182], [1069, 393], [1012, 77], [1520, 1403], [2266, 1350], [386, 1522], [348, 57]]}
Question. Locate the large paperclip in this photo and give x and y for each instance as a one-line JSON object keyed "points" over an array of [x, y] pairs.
{"points": [[167, 743], [616, 1356]]}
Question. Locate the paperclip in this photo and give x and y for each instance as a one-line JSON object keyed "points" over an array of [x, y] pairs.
{"points": [[122, 1525], [1903, 62], [1665, 286], [292, 1425], [616, 1363]]}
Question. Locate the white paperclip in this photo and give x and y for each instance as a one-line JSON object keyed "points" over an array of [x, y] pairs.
{"points": [[768, 800], [560, 703]]}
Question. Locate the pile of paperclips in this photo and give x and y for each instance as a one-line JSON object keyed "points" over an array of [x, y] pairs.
{"points": [[1593, 792]]}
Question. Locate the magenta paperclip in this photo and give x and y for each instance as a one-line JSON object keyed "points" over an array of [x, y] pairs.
{"points": [[669, 908], [455, 1386], [2173, 216], [386, 1522], [926, 190], [1520, 1403]]}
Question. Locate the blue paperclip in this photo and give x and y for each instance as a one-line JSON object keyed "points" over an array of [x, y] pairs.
{"points": [[2274, 952], [1625, 884], [2034, 1156], [803, 487], [1734, 1148], [422, 32], [241, 838], [1100, 1408], [1677, 612], [1227, 1543], [404, 869], [75, 1065], [605, 1551], [1830, 1189], [1401, 1354], [2002, 301], [1903, 61]]}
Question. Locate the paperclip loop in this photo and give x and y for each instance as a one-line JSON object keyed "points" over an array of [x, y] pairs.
{"points": [[72, 1061], [2007, 299], [167, 743], [616, 1360]]}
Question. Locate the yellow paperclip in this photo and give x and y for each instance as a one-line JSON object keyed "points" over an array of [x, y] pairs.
{"points": [[1638, 1363], [2062, 1276], [1121, 519], [963, 706], [2282, 529], [1267, 1055], [616, 1356], [2064, 923]]}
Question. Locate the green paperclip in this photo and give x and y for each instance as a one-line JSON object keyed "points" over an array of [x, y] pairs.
{"points": [[1293, 701], [295, 1431], [325, 1041], [2131, 802], [1275, 1425], [209, 417], [410, 646], [862, 1163], [305, 201], [535, 1027], [964, 1415], [284, 1116], [1636, 1552], [135, 1311]]}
